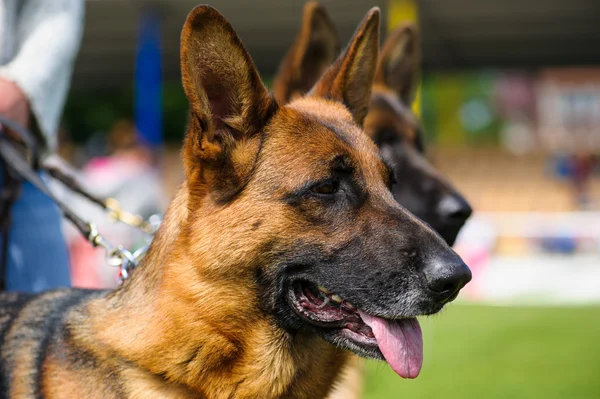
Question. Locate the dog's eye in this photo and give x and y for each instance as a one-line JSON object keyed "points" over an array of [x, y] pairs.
{"points": [[326, 188]]}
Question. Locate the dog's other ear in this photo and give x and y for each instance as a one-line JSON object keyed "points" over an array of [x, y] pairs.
{"points": [[229, 103], [350, 78], [399, 61], [313, 50]]}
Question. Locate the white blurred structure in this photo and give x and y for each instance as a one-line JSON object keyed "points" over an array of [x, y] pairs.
{"points": [[538, 276]]}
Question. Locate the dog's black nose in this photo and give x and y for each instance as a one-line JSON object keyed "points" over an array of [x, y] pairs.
{"points": [[447, 278], [453, 209]]}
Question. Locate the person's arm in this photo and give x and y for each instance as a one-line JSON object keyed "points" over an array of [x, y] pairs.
{"points": [[48, 37]]}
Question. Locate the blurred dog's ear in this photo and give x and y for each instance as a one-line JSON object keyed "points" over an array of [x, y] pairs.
{"points": [[313, 50], [399, 62], [229, 104], [350, 78]]}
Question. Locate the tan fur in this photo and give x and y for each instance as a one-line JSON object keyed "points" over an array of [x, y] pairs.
{"points": [[351, 385]]}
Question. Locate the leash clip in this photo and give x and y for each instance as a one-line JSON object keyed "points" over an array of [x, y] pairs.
{"points": [[116, 255]]}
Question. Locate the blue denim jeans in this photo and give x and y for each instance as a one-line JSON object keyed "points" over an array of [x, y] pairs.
{"points": [[38, 257]]}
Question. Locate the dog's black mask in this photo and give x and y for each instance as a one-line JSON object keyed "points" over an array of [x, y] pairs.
{"points": [[420, 187]]}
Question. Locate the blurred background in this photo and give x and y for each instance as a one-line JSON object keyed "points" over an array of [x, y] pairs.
{"points": [[510, 103]]}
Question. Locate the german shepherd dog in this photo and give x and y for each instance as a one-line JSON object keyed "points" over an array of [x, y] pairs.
{"points": [[390, 122], [283, 250]]}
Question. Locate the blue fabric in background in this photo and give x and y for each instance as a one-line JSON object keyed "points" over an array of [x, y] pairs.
{"points": [[148, 80], [38, 258]]}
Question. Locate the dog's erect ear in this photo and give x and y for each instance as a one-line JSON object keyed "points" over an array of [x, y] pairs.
{"points": [[350, 78], [314, 49], [229, 103], [399, 61]]}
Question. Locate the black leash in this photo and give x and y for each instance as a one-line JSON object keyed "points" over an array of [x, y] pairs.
{"points": [[28, 140], [17, 164], [110, 205]]}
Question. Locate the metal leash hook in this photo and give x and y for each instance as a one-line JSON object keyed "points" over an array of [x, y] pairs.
{"points": [[116, 256], [153, 221]]}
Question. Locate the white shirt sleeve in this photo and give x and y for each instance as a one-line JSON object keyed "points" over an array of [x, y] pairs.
{"points": [[49, 34]]}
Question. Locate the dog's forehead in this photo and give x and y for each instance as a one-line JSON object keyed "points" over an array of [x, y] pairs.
{"points": [[315, 131], [388, 112], [336, 118]]}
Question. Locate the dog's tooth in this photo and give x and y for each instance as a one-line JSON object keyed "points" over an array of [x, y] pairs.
{"points": [[349, 305], [323, 289], [325, 303], [336, 298]]}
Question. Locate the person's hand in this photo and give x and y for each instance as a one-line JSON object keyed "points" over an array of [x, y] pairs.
{"points": [[13, 103]]}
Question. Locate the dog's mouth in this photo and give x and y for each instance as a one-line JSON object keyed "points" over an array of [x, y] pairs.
{"points": [[398, 341]]}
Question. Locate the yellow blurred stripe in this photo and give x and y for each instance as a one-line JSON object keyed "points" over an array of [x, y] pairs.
{"points": [[402, 11]]}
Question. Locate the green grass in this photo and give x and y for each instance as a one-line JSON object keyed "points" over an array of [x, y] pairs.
{"points": [[501, 352]]}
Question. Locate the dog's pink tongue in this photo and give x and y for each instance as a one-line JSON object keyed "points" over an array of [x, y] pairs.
{"points": [[400, 341]]}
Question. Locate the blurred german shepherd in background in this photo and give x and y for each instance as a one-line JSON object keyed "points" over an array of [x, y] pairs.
{"points": [[283, 249], [390, 122]]}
